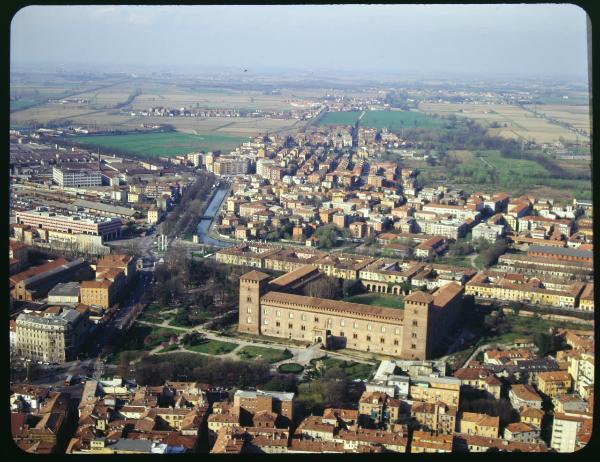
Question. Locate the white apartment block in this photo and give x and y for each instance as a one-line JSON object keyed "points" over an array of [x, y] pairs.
{"points": [[489, 232], [76, 178]]}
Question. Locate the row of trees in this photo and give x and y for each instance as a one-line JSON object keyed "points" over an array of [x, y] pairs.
{"points": [[155, 370], [192, 204]]}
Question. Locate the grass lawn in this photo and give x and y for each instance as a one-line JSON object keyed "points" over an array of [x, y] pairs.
{"points": [[352, 369], [270, 355], [464, 261], [387, 301], [523, 327], [161, 144], [147, 337], [506, 166], [339, 118], [290, 368], [213, 347], [396, 120], [170, 348], [152, 313], [115, 358]]}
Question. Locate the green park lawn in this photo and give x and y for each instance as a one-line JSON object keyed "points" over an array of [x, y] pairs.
{"points": [[387, 301], [290, 368], [352, 369], [213, 347], [270, 355]]}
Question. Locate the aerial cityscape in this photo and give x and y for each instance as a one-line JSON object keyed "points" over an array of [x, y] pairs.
{"points": [[254, 230]]}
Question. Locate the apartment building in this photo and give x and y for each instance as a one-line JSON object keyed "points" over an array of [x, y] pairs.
{"points": [[76, 178], [53, 336]]}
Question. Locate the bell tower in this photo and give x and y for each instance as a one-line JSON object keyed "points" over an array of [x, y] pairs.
{"points": [[252, 287]]}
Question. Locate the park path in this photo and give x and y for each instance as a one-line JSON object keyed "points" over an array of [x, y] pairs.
{"points": [[300, 355], [472, 261]]}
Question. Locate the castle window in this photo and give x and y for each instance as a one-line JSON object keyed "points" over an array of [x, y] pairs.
{"points": [[368, 326], [290, 326], [342, 334], [396, 342], [291, 315], [266, 322], [329, 323], [278, 314], [382, 330], [249, 320], [277, 324], [316, 319], [303, 317], [356, 325], [414, 335], [397, 331], [415, 323], [302, 327], [381, 340], [413, 346], [354, 336], [249, 310], [265, 311], [342, 323], [368, 338], [248, 299]]}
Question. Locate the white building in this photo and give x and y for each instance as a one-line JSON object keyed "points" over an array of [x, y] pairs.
{"points": [[488, 232], [564, 432], [76, 178]]}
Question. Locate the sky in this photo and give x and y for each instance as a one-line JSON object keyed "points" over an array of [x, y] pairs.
{"points": [[537, 41]]}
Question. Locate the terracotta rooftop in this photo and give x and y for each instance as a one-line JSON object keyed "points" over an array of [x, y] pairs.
{"points": [[254, 275], [419, 297], [332, 305], [525, 392], [481, 419]]}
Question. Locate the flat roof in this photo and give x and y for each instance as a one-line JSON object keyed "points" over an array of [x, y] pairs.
{"points": [[282, 396]]}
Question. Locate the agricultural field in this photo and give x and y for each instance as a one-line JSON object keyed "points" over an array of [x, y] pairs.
{"points": [[397, 120], [161, 144], [104, 108], [339, 118], [513, 121], [49, 112], [387, 301], [576, 116]]}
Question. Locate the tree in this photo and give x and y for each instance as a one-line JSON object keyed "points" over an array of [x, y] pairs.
{"points": [[546, 343], [324, 287]]}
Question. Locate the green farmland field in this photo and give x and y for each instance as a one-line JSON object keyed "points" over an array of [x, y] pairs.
{"points": [[339, 118], [396, 120], [161, 144]]}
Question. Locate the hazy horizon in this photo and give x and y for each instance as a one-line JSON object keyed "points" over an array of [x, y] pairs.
{"points": [[420, 41]]}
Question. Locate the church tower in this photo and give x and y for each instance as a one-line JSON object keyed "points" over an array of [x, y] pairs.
{"points": [[252, 287]]}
